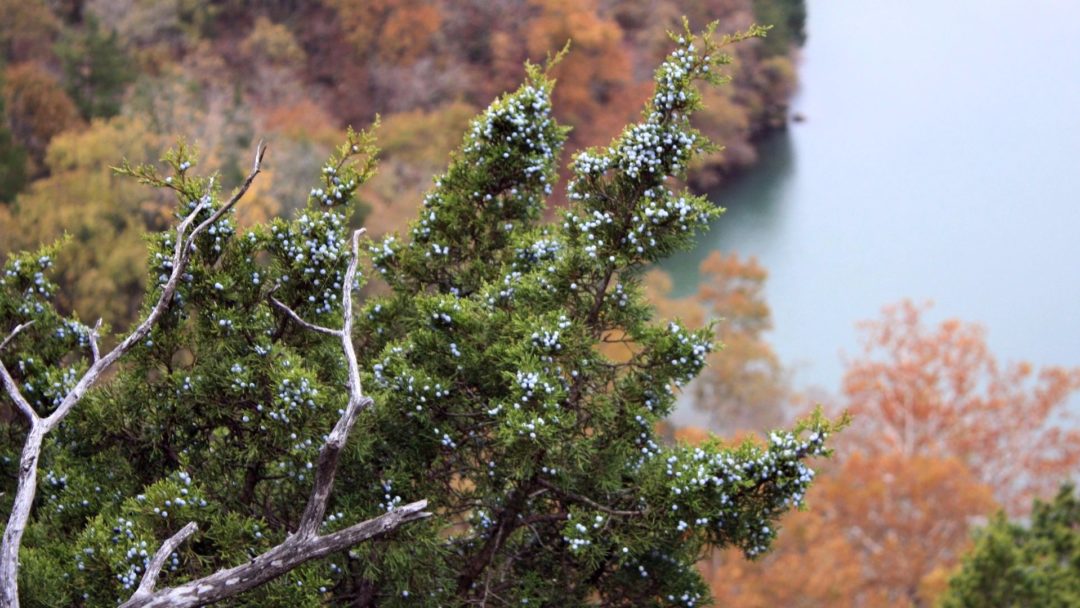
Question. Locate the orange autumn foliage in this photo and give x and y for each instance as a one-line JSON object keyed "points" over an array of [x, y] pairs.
{"points": [[810, 566], [743, 387], [907, 517], [597, 92], [744, 382], [942, 434], [940, 391], [38, 108], [879, 532], [389, 31]]}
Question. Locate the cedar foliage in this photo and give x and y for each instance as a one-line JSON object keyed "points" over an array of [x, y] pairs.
{"points": [[1037, 564], [537, 453]]}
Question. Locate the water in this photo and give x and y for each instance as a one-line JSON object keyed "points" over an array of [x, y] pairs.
{"points": [[940, 160]]}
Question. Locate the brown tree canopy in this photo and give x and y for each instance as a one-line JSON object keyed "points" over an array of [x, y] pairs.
{"points": [[38, 108], [939, 391], [942, 434]]}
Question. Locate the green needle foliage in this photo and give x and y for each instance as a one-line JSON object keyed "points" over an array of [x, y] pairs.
{"points": [[492, 399], [1013, 565], [12, 157], [96, 70]]}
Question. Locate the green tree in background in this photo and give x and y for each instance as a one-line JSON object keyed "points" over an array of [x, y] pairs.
{"points": [[1014, 565], [12, 157], [96, 70], [477, 385], [788, 20]]}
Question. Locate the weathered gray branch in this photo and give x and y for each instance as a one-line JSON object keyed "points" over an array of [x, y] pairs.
{"points": [[17, 396], [292, 314], [149, 579], [306, 544], [275, 562], [9, 382], [93, 335], [39, 427], [330, 454], [11, 336]]}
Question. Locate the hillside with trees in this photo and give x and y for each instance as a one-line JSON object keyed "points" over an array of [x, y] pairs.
{"points": [[85, 82]]}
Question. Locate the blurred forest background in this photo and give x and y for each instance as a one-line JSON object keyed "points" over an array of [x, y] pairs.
{"points": [[88, 82], [944, 437]]}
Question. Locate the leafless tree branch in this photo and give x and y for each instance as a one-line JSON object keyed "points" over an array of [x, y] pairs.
{"points": [[9, 382], [256, 167], [11, 336], [306, 544], [586, 500], [94, 335], [149, 579], [330, 454], [300, 320], [291, 553], [17, 396], [28, 463]]}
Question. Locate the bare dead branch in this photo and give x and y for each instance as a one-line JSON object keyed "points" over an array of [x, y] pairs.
{"points": [[586, 500], [329, 458], [292, 314], [290, 554], [17, 396], [94, 335], [306, 544], [28, 463], [149, 579], [11, 336], [9, 383], [182, 254], [330, 454], [256, 167]]}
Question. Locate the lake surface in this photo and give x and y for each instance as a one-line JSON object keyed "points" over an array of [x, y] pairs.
{"points": [[939, 160]]}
